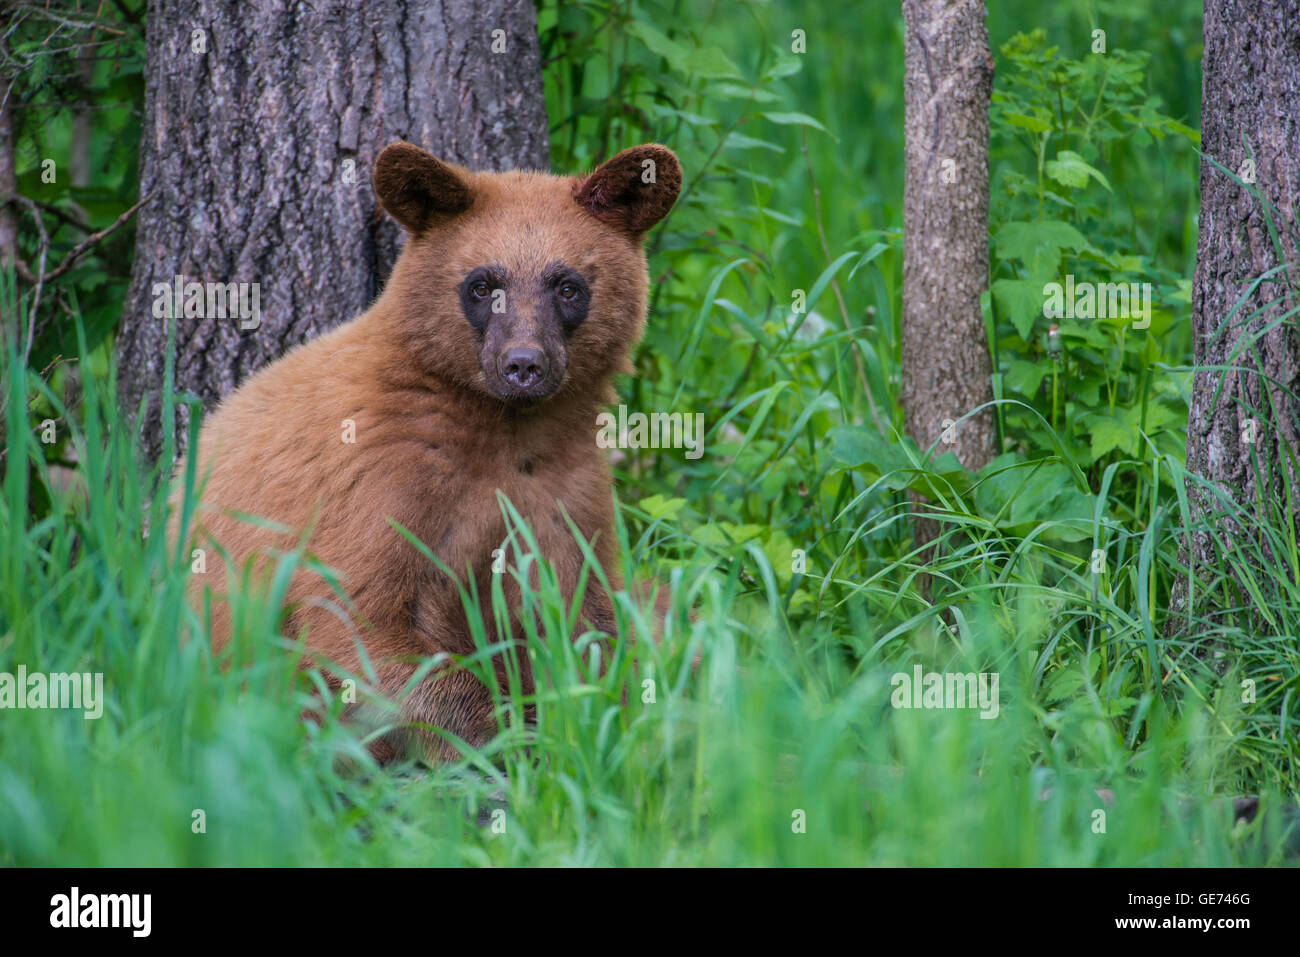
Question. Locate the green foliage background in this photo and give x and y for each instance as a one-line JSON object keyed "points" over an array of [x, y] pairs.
{"points": [[793, 167]]}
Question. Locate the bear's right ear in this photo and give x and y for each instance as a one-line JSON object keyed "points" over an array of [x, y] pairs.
{"points": [[416, 188]]}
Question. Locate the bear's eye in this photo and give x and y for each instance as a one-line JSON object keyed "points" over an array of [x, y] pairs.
{"points": [[568, 291], [480, 290]]}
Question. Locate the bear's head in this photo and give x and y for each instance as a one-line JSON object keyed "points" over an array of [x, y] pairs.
{"points": [[522, 285]]}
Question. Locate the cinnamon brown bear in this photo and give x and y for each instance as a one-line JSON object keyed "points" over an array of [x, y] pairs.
{"points": [[480, 369]]}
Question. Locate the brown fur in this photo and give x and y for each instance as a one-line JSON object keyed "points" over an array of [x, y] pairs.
{"points": [[435, 438], [616, 193]]}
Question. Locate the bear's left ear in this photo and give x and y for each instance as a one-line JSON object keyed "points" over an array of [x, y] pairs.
{"points": [[634, 190], [416, 187]]}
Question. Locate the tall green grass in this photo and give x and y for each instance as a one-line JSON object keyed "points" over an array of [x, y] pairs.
{"points": [[788, 550]]}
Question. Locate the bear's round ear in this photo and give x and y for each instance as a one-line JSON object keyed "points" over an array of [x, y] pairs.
{"points": [[634, 190], [416, 188]]}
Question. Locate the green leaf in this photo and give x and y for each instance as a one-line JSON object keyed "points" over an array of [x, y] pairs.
{"points": [[1158, 416], [1069, 169], [794, 119], [735, 91], [1064, 684], [868, 256], [739, 141], [864, 449], [1021, 301], [783, 67], [694, 119], [706, 62], [1025, 377], [658, 44], [1124, 262], [781, 217], [1049, 481], [1070, 515], [1118, 706], [1089, 331], [1031, 123], [711, 63], [1191, 134], [779, 549], [822, 281], [1038, 244], [657, 506], [1023, 494], [1109, 433], [724, 535], [1088, 388]]}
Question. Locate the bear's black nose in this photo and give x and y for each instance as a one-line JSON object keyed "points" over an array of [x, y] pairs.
{"points": [[523, 366]]}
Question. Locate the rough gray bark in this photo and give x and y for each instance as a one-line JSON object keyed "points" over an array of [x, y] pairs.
{"points": [[946, 366], [247, 149], [1251, 108]]}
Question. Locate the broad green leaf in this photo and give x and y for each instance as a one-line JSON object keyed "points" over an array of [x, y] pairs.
{"points": [[1021, 301], [1038, 244], [1158, 416], [1087, 388], [779, 550], [1109, 433], [863, 448], [1087, 330], [1064, 684], [1047, 482], [1069, 169], [1124, 262], [1025, 377]]}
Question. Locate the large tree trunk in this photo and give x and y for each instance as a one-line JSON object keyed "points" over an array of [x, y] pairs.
{"points": [[1251, 108], [946, 367], [258, 154]]}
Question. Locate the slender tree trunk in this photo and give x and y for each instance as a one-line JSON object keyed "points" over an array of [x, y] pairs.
{"points": [[1243, 422], [262, 120], [83, 122], [8, 184], [946, 367]]}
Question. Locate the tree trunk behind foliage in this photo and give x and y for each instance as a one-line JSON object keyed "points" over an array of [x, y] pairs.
{"points": [[259, 149], [1250, 115], [8, 189], [946, 368]]}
